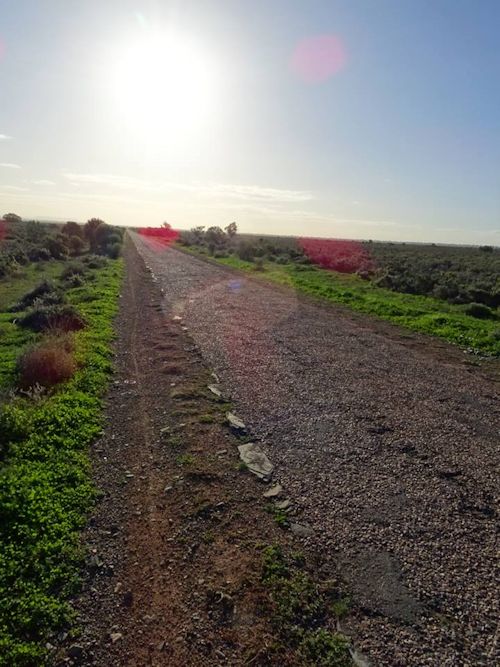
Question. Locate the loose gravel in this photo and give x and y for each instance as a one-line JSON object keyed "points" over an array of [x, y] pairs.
{"points": [[387, 448]]}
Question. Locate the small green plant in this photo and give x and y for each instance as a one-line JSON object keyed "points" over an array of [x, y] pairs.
{"points": [[208, 537], [207, 418], [322, 648], [279, 515], [185, 460], [242, 466], [301, 611]]}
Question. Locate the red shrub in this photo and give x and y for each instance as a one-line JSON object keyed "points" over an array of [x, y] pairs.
{"points": [[164, 235], [341, 256]]}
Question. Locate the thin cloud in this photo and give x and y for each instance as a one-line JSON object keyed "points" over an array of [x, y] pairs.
{"points": [[4, 137], [13, 188], [223, 190], [10, 165], [43, 182]]}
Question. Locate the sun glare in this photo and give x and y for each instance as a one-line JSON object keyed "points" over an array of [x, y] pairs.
{"points": [[162, 86]]}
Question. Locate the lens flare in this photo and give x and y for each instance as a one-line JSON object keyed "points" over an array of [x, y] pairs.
{"points": [[316, 59]]}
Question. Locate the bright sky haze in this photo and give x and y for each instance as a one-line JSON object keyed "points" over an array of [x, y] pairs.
{"points": [[356, 118]]}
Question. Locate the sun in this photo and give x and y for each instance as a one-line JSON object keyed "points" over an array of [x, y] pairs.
{"points": [[162, 85]]}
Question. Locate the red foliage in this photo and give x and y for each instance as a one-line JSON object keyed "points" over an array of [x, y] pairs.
{"points": [[164, 235], [341, 256]]}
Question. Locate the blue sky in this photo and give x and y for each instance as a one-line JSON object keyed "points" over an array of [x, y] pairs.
{"points": [[402, 142]]}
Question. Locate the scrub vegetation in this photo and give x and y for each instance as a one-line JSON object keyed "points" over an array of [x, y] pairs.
{"points": [[49, 414], [452, 292]]}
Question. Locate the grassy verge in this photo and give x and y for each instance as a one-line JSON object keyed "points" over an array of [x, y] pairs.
{"points": [[45, 487], [418, 313], [12, 338]]}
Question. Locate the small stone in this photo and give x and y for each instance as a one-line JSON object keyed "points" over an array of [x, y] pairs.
{"points": [[274, 491], [300, 530], [115, 637], [221, 452], [168, 488], [235, 422], [284, 504], [177, 318], [118, 587], [215, 390]]}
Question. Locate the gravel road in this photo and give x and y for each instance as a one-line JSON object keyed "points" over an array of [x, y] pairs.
{"points": [[387, 445]]}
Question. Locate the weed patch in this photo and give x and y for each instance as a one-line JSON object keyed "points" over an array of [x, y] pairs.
{"points": [[301, 611]]}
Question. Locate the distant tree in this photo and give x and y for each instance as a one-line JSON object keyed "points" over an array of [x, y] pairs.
{"points": [[215, 238], [56, 245], [12, 217], [231, 230], [198, 234], [76, 244], [91, 232], [34, 231], [71, 228], [486, 248]]}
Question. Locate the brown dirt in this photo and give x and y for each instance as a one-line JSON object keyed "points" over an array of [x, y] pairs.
{"points": [[174, 546]]}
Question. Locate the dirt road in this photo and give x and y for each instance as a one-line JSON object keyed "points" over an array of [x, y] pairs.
{"points": [[388, 446]]}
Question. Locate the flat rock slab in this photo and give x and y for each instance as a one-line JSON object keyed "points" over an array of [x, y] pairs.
{"points": [[235, 422], [273, 492], [255, 459], [215, 390]]}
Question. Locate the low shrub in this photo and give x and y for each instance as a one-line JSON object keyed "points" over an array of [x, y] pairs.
{"points": [[245, 251], [73, 269], [95, 261], [113, 250], [47, 364], [55, 317], [478, 310], [38, 254], [40, 292]]}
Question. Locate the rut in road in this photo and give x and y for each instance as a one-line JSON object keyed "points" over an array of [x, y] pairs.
{"points": [[387, 441]]}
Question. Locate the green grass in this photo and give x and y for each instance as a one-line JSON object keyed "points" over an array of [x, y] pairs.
{"points": [[13, 338], [423, 314], [45, 485]]}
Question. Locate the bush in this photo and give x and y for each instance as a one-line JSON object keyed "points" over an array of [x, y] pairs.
{"points": [[245, 251], [113, 251], [57, 248], [38, 254], [48, 364], [75, 269], [40, 292], [479, 310], [95, 261], [46, 318]]}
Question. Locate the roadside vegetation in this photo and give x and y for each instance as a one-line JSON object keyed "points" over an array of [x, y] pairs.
{"points": [[57, 313], [451, 292]]}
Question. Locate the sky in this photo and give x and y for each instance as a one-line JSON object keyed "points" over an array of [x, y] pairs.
{"points": [[364, 119]]}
